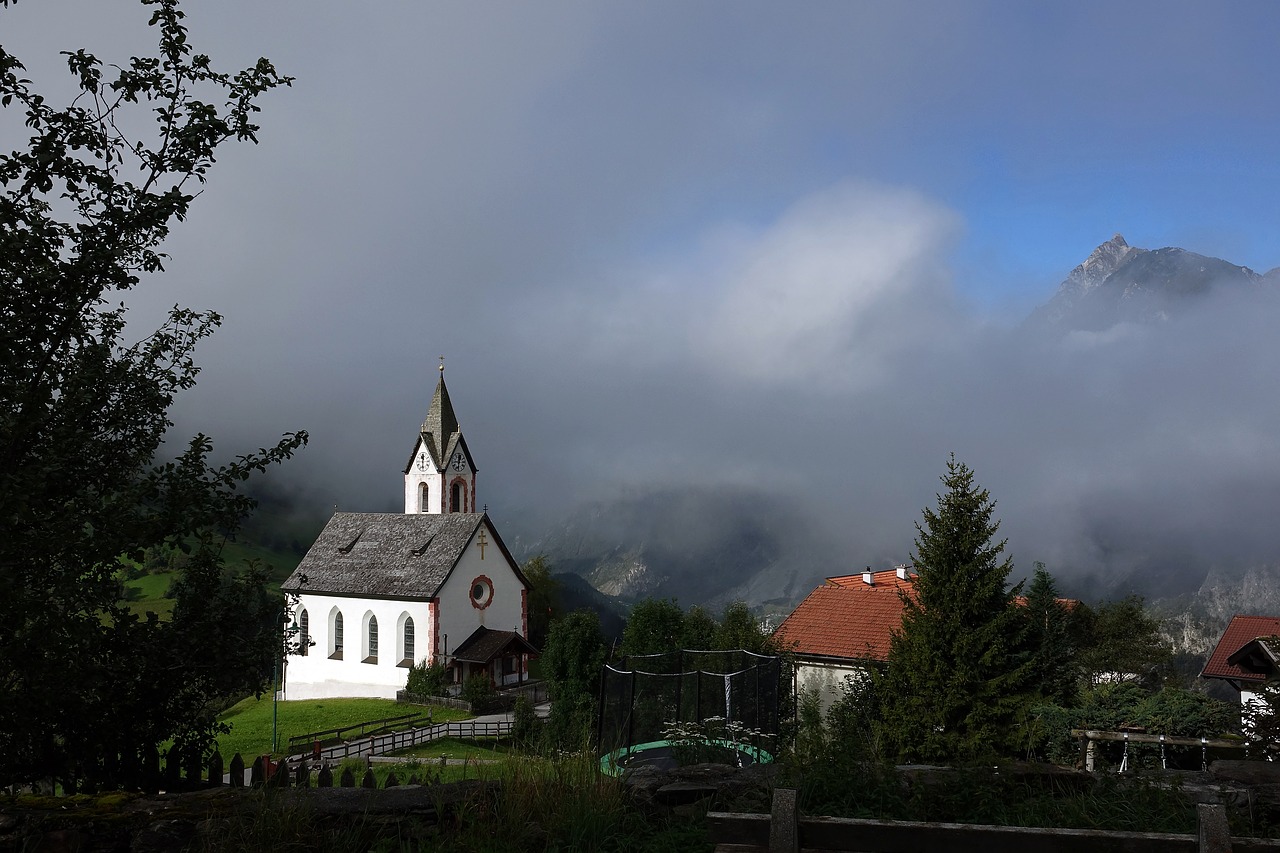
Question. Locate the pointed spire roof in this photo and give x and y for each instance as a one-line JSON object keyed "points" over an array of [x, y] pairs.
{"points": [[441, 422], [440, 430]]}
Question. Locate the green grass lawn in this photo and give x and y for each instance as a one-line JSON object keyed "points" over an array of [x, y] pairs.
{"points": [[458, 748], [250, 720]]}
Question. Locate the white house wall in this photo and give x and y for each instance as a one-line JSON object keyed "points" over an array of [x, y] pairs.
{"points": [[458, 618], [825, 679], [317, 676]]}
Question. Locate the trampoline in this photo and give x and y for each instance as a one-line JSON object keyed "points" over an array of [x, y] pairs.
{"points": [[688, 706], [662, 755]]}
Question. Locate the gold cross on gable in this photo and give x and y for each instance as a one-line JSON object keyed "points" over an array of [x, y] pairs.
{"points": [[481, 541]]}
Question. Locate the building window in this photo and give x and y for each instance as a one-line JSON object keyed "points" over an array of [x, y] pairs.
{"points": [[481, 592], [424, 493], [372, 636], [407, 658], [304, 632], [335, 635], [455, 498]]}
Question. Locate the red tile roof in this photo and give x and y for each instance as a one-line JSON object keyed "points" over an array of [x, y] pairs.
{"points": [[846, 617], [1242, 630]]}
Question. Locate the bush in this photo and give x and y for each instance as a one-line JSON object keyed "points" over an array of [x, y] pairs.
{"points": [[427, 680], [478, 690], [525, 725]]}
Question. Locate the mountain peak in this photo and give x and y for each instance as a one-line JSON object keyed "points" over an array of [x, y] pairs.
{"points": [[1120, 282]]}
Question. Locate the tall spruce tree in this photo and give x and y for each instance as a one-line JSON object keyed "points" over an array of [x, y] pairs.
{"points": [[956, 677], [1055, 675]]}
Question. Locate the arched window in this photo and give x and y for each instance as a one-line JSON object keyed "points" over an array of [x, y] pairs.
{"points": [[335, 634], [455, 498], [424, 492], [371, 639], [407, 657], [304, 631]]}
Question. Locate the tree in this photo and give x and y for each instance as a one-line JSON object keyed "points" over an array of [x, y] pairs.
{"points": [[1120, 641], [1054, 675], [86, 689], [543, 605], [571, 663], [739, 629], [698, 630], [654, 625], [954, 683]]}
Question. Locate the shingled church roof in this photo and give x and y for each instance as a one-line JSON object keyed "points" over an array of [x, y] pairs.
{"points": [[389, 555]]}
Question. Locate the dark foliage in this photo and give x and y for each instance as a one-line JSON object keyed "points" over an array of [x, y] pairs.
{"points": [[86, 689]]}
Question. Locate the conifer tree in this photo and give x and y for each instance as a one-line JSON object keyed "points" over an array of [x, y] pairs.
{"points": [[956, 678], [1054, 676]]}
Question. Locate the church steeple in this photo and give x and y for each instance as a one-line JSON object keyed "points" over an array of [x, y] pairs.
{"points": [[440, 476], [441, 423]]}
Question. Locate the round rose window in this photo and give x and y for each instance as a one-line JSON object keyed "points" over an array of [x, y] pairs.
{"points": [[481, 592]]}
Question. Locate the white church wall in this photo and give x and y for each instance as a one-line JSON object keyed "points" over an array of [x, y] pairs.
{"points": [[317, 675], [505, 611]]}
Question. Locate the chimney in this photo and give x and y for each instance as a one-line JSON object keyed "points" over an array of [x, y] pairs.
{"points": [[902, 572], [868, 578]]}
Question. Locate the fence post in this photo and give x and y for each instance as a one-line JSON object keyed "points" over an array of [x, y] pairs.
{"points": [[324, 779], [784, 828], [280, 779], [302, 776], [1215, 835], [348, 779], [258, 774], [237, 771], [393, 781], [368, 781], [215, 769]]}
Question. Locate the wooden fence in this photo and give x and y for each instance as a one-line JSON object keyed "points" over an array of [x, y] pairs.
{"points": [[784, 831], [393, 741], [329, 736]]}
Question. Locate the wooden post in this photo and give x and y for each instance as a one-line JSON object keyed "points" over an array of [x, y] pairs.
{"points": [[1215, 835], [368, 781], [393, 781], [302, 775], [258, 774], [237, 771], [280, 779], [784, 828], [324, 779], [348, 779], [215, 769]]}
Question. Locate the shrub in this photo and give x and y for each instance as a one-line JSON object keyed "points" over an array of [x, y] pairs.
{"points": [[478, 690], [427, 680], [525, 725]]}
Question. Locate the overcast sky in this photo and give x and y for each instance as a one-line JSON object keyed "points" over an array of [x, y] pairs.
{"points": [[786, 246]]}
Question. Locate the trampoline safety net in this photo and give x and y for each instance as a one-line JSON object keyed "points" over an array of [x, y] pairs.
{"points": [[643, 694]]}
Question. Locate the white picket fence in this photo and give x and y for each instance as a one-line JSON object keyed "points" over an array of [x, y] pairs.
{"points": [[393, 741]]}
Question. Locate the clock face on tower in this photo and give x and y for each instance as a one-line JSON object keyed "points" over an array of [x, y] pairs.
{"points": [[422, 461], [459, 461]]}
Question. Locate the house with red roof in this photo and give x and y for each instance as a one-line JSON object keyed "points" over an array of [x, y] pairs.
{"points": [[1248, 655], [842, 626]]}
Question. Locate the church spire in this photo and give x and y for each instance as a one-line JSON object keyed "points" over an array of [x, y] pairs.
{"points": [[441, 422]]}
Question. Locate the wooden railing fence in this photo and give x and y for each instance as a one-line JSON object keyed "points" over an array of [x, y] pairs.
{"points": [[784, 831], [299, 743], [393, 741]]}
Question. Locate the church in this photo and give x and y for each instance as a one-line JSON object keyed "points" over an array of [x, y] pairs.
{"points": [[381, 592]]}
